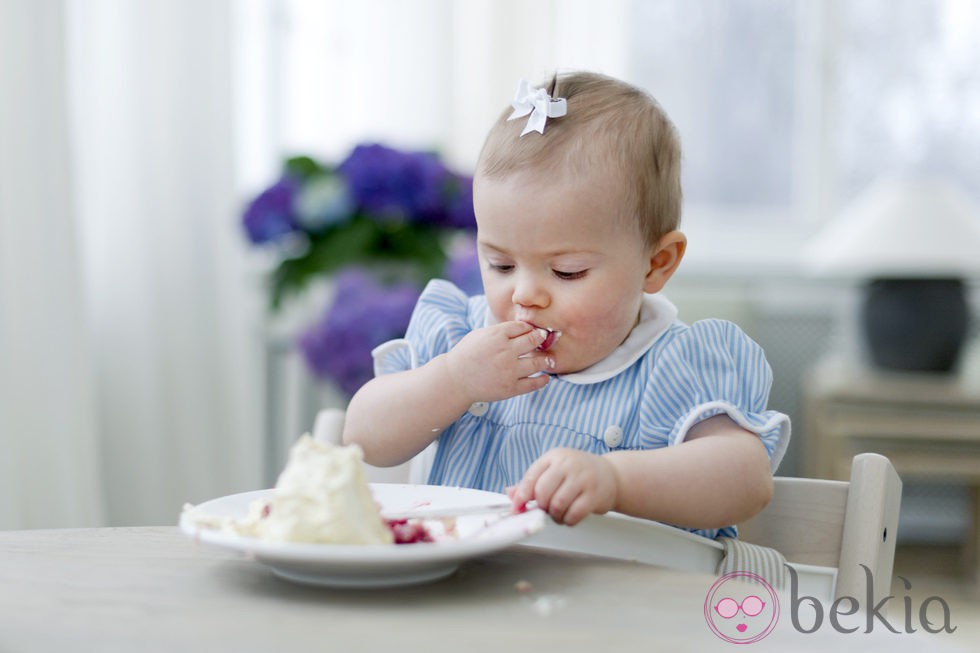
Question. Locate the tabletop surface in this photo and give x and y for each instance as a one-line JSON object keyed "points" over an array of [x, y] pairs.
{"points": [[152, 588]]}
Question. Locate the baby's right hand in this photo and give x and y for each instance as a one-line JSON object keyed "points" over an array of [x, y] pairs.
{"points": [[497, 362]]}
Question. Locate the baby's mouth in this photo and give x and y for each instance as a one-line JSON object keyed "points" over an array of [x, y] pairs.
{"points": [[551, 336]]}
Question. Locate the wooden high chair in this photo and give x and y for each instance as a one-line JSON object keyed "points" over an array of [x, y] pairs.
{"points": [[824, 529], [836, 524]]}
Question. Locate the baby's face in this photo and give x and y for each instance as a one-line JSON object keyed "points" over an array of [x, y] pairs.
{"points": [[552, 253]]}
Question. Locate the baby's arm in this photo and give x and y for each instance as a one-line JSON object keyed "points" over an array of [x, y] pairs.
{"points": [[395, 416], [717, 477]]}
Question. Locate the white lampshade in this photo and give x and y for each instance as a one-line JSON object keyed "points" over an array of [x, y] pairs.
{"points": [[901, 228]]}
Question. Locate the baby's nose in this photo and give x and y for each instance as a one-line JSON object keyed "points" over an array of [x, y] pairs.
{"points": [[529, 292]]}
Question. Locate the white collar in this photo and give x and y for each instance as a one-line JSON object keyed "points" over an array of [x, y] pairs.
{"points": [[657, 313]]}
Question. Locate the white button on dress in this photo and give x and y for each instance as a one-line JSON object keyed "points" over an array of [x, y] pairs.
{"points": [[479, 409], [613, 436]]}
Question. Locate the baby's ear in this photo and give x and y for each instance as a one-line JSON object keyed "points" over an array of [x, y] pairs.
{"points": [[665, 256]]}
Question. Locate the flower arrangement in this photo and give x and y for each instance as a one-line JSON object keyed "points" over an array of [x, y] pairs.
{"points": [[382, 222], [379, 206]]}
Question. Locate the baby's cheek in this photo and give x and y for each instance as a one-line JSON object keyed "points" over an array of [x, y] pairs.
{"points": [[501, 308], [602, 323]]}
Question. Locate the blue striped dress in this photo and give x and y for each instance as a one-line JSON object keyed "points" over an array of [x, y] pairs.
{"points": [[666, 377]]}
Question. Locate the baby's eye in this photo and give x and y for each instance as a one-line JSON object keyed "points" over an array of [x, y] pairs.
{"points": [[561, 274], [501, 267]]}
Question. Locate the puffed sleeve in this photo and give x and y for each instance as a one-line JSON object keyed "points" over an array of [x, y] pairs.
{"points": [[712, 368], [438, 322]]}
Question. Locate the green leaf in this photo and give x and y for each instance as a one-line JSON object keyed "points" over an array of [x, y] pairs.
{"points": [[303, 167], [391, 250], [350, 243]]}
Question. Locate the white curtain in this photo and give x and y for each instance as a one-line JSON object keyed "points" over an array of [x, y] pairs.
{"points": [[49, 460], [129, 333], [175, 338]]}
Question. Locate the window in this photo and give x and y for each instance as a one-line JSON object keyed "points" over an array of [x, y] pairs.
{"points": [[909, 91], [896, 85], [726, 74]]}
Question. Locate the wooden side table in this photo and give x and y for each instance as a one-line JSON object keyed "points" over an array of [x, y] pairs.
{"points": [[927, 424]]}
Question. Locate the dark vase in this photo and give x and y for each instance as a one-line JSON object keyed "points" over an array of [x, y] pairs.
{"points": [[915, 325]]}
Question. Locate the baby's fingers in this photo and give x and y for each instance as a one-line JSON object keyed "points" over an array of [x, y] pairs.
{"points": [[530, 341], [524, 491], [523, 337], [531, 383], [580, 508], [532, 363], [515, 329]]}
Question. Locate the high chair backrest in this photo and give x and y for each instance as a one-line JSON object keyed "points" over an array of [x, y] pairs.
{"points": [[836, 523]]}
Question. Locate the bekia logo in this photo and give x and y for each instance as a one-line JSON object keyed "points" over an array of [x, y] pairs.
{"points": [[742, 608]]}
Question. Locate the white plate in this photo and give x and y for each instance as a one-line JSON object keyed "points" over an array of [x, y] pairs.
{"points": [[337, 565]]}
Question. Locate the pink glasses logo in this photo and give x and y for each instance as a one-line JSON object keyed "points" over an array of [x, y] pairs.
{"points": [[741, 608], [751, 606]]}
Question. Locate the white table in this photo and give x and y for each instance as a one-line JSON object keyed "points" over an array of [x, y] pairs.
{"points": [[153, 589]]}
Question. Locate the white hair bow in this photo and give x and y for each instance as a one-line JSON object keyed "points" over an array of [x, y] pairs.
{"points": [[539, 104]]}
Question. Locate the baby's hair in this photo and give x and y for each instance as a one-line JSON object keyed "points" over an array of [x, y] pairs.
{"points": [[611, 124]]}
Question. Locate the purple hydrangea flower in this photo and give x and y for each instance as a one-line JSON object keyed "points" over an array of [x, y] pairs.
{"points": [[400, 186], [363, 315], [270, 215]]}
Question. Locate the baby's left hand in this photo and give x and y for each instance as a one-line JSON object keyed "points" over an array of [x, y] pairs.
{"points": [[569, 484]]}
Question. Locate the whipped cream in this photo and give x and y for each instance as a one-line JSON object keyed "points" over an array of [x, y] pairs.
{"points": [[321, 496]]}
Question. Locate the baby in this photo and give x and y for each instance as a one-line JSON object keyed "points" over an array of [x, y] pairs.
{"points": [[571, 382]]}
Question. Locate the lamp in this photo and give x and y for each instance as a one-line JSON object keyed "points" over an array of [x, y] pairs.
{"points": [[914, 241]]}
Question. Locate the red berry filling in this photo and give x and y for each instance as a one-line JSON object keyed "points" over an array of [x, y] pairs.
{"points": [[408, 531], [550, 336]]}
